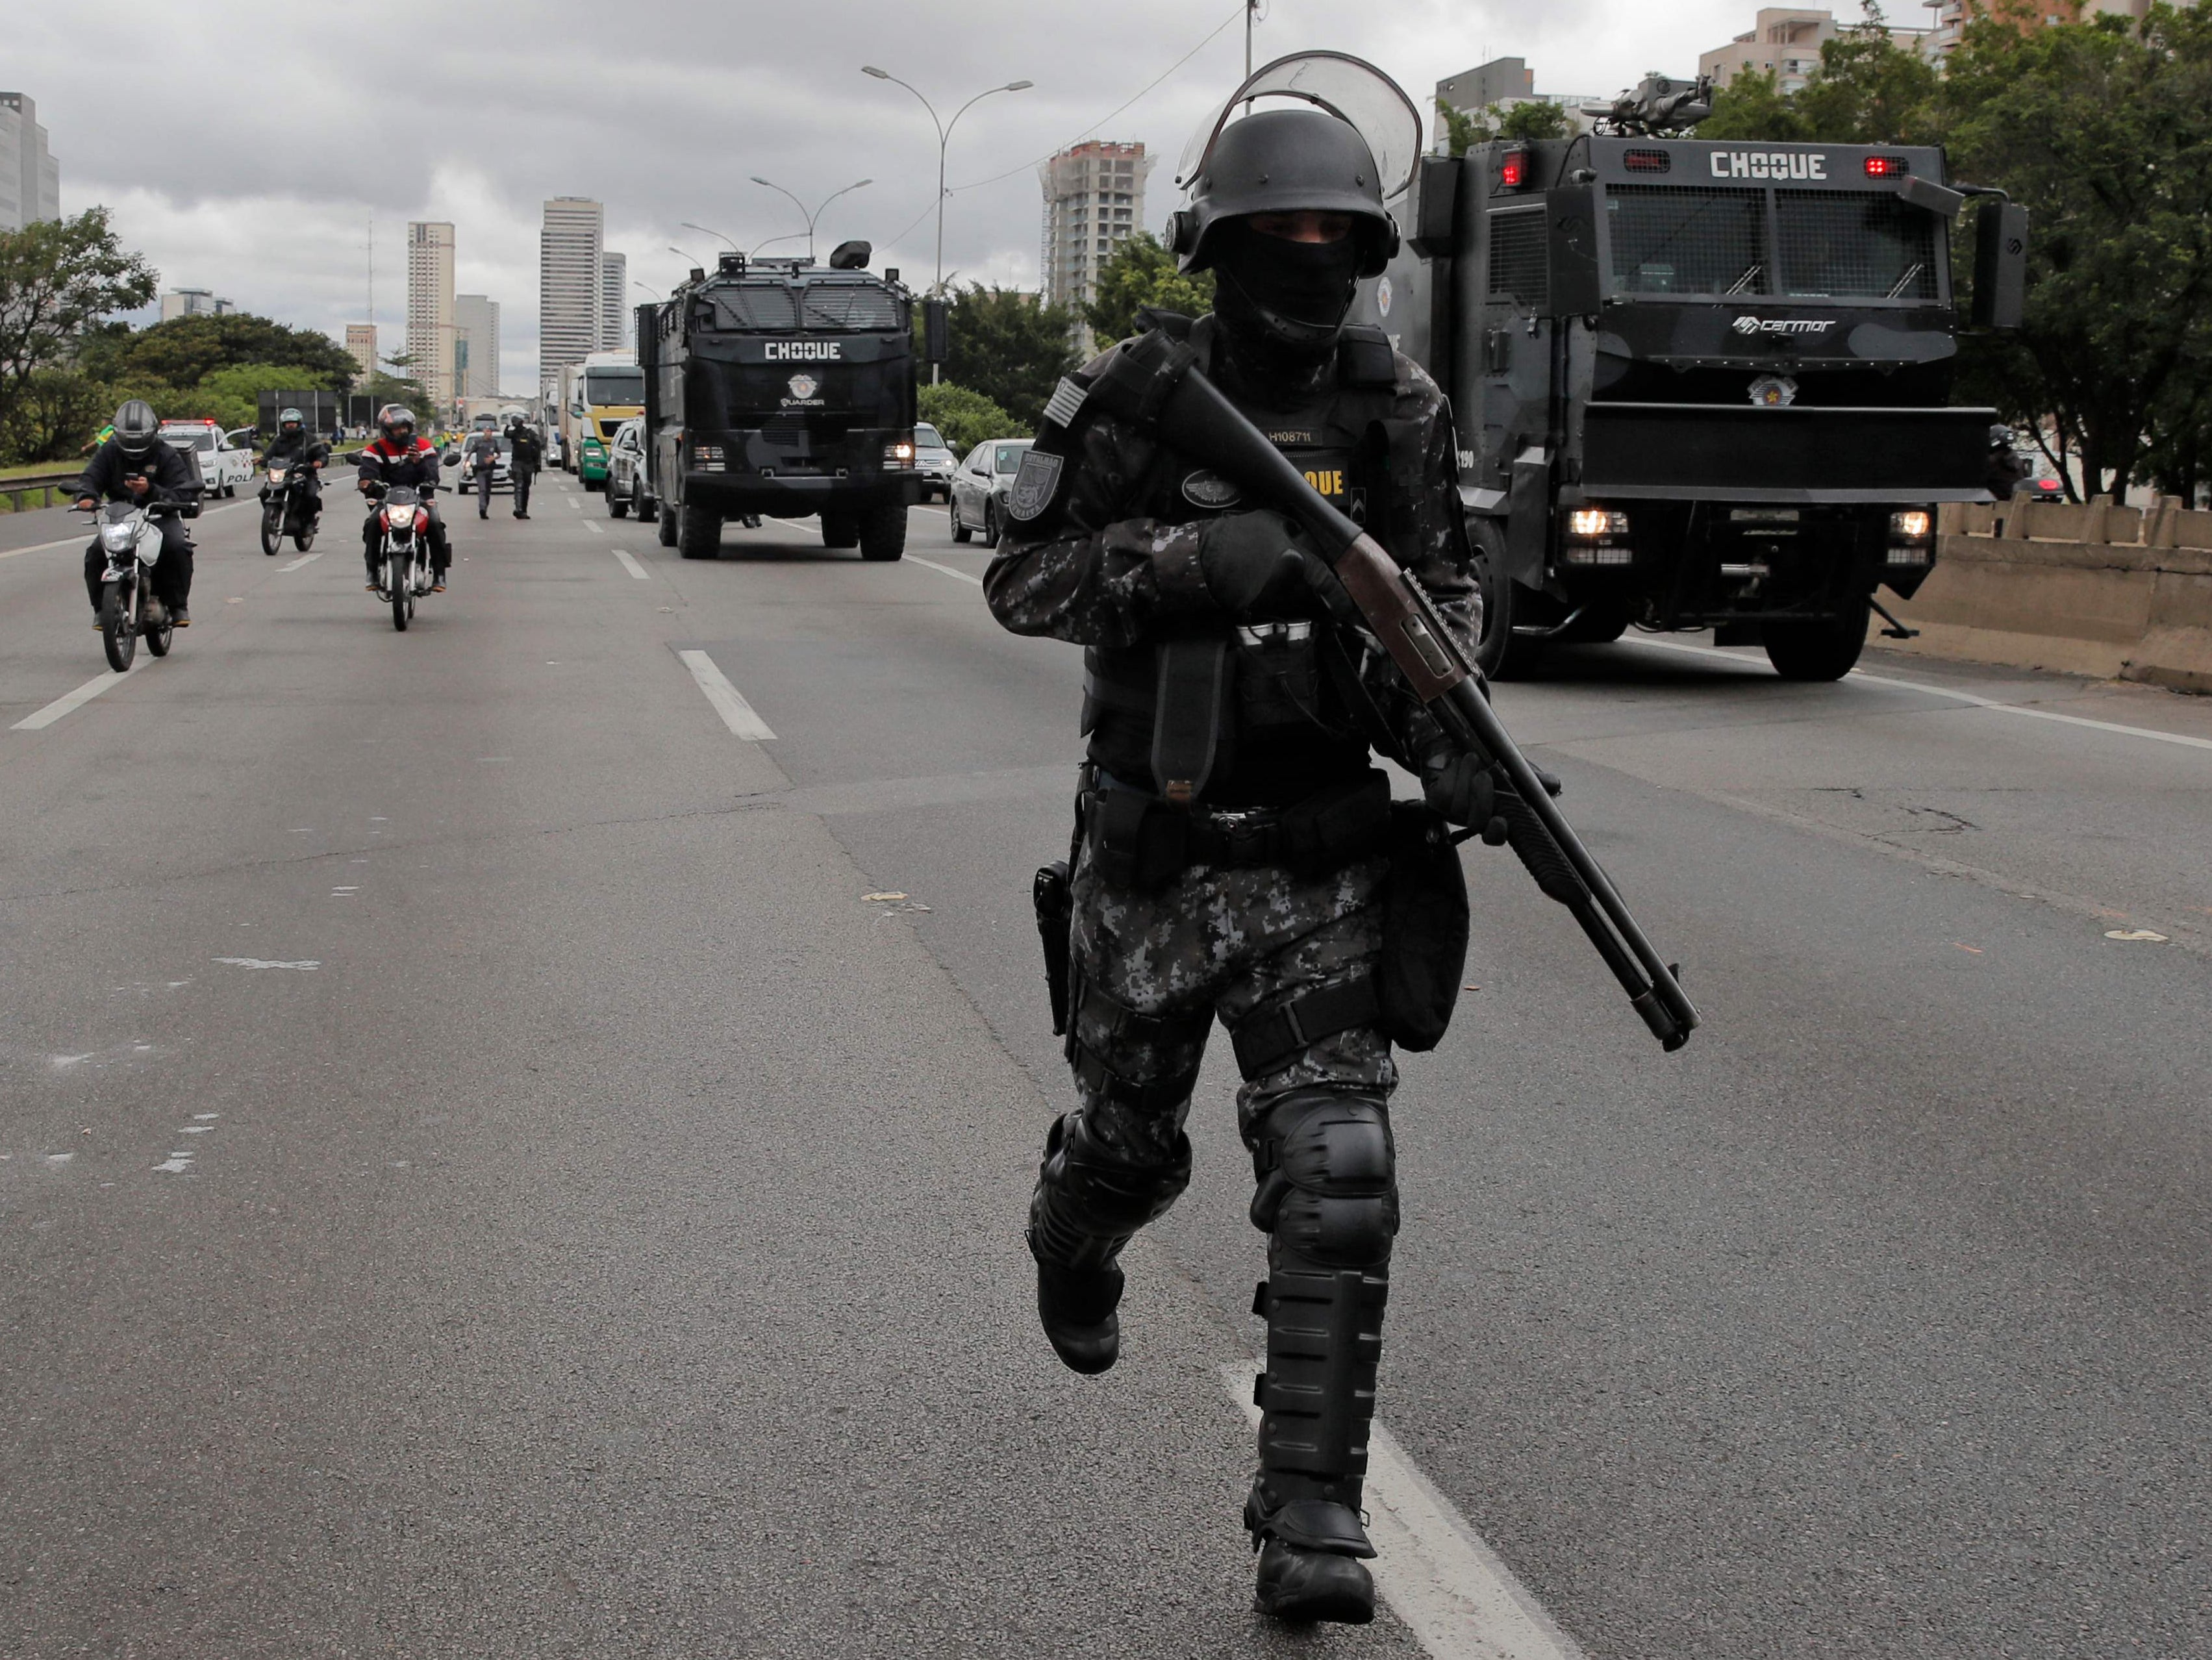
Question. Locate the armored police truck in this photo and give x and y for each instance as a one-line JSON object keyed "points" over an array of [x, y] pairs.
{"points": [[1697, 384], [783, 389]]}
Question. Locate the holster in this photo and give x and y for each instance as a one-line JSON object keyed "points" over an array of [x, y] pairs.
{"points": [[1425, 929], [1054, 896]]}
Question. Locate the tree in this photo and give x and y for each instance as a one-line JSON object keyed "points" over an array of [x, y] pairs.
{"points": [[1530, 119], [1011, 347], [964, 418], [57, 277], [2102, 130], [1142, 272], [1867, 90], [53, 410], [185, 352], [1753, 105]]}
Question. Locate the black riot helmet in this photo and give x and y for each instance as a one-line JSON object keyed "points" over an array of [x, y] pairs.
{"points": [[1286, 161], [137, 428]]}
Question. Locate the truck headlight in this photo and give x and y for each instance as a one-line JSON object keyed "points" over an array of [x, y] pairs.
{"points": [[1594, 524], [1911, 525]]}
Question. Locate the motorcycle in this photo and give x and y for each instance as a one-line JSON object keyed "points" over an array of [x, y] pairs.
{"points": [[402, 571], [131, 537], [287, 508]]}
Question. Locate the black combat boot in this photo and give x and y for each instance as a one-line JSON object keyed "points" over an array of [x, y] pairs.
{"points": [[1089, 1201], [1328, 1201]]}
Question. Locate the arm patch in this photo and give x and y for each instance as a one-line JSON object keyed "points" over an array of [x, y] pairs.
{"points": [[1035, 486]]}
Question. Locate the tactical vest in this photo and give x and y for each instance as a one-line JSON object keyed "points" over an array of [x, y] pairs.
{"points": [[1261, 715]]}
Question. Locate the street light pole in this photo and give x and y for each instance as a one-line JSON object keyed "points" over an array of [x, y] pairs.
{"points": [[687, 225], [801, 206], [944, 139]]}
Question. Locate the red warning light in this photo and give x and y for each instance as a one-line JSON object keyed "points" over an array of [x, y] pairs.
{"points": [[1512, 169], [1887, 167]]}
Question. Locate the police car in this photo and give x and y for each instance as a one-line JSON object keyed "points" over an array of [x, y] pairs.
{"points": [[225, 459]]}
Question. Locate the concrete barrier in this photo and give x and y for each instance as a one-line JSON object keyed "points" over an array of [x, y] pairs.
{"points": [[2085, 588]]}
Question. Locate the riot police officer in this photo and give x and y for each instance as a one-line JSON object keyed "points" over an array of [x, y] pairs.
{"points": [[1234, 838]]}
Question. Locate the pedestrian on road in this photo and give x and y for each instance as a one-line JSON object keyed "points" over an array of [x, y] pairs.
{"points": [[483, 456], [528, 455], [1235, 848]]}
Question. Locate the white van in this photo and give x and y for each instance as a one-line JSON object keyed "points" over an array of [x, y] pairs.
{"points": [[225, 459]]}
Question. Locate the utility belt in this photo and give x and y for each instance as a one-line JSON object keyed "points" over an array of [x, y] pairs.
{"points": [[1140, 840]]}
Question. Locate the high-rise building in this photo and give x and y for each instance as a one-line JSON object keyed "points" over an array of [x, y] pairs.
{"points": [[360, 341], [30, 177], [1952, 16], [570, 239], [194, 302], [614, 309], [1786, 44], [430, 321], [477, 316], [1094, 197], [1499, 85]]}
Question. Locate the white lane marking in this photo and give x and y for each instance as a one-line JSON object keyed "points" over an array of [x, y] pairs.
{"points": [[933, 565], [1449, 1587], [737, 714], [632, 566], [265, 963], [62, 705], [1860, 676], [304, 559], [179, 1163], [593, 528]]}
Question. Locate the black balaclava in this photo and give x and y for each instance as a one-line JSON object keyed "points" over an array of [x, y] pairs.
{"points": [[1283, 303]]}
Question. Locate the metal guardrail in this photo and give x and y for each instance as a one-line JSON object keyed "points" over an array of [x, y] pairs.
{"points": [[38, 484]]}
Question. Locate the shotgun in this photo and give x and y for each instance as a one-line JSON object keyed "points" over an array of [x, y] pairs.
{"points": [[1154, 383]]}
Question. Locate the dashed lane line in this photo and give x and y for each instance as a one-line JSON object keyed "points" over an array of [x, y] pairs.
{"points": [[593, 528], [737, 714], [1861, 676], [62, 705], [931, 564], [81, 541], [632, 566], [304, 559], [1449, 1587]]}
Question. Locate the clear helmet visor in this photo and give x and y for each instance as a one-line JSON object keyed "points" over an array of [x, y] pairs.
{"points": [[1350, 88]]}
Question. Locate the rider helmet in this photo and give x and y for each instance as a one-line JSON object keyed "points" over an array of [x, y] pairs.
{"points": [[397, 423], [2000, 438], [137, 428], [289, 422]]}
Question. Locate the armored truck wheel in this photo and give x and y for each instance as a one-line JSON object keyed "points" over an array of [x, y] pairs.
{"points": [[666, 528], [883, 531], [1819, 651], [840, 529], [699, 533], [1499, 652]]}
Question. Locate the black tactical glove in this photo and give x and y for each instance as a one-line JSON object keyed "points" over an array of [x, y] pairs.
{"points": [[1258, 568], [1459, 786]]}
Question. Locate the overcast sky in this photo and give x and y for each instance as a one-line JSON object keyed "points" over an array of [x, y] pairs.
{"points": [[246, 149]]}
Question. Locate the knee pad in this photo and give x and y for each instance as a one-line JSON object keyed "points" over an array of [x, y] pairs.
{"points": [[1088, 1195], [1327, 1189]]}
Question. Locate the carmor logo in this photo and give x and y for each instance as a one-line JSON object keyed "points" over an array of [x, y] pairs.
{"points": [[1784, 324]]}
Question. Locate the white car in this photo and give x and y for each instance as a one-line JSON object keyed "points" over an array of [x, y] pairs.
{"points": [[225, 459]]}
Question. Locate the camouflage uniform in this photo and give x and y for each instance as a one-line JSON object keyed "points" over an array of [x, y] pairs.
{"points": [[1114, 565]]}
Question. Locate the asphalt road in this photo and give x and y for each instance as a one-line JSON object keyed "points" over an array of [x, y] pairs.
{"points": [[481, 1175]]}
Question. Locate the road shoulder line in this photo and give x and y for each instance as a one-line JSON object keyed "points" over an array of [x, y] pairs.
{"points": [[737, 714], [930, 564], [62, 705], [1451, 1590]]}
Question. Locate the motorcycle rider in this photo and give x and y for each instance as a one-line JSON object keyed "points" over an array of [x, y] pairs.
{"points": [[135, 465], [294, 446], [1236, 847], [399, 456]]}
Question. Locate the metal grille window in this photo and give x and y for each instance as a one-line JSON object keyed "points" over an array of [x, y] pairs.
{"points": [[1516, 255], [849, 305], [1855, 245], [1687, 239], [764, 306]]}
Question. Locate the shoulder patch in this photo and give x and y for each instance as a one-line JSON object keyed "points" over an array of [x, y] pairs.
{"points": [[1034, 485], [1365, 358]]}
